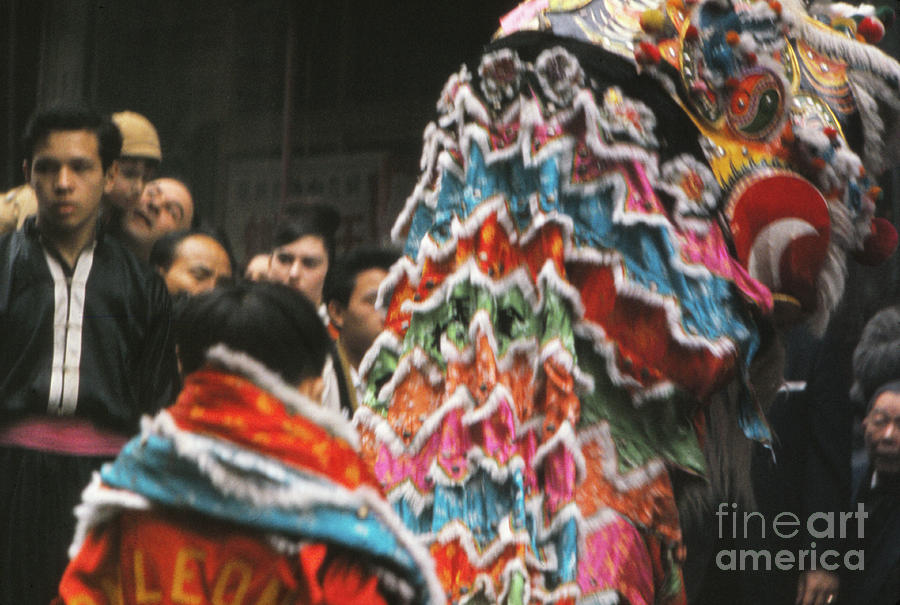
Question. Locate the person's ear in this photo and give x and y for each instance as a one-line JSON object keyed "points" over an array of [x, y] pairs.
{"points": [[312, 387], [336, 313], [110, 175]]}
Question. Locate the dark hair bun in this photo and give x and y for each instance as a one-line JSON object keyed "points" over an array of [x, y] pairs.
{"points": [[274, 324]]}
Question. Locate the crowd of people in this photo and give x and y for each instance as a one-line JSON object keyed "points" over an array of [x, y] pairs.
{"points": [[244, 484], [113, 289]]}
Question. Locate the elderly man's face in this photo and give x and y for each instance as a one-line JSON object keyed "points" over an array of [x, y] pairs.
{"points": [[199, 263], [882, 431]]}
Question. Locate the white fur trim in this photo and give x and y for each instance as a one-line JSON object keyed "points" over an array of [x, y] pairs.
{"points": [[720, 348], [241, 363], [549, 279], [606, 348], [367, 418], [515, 566], [407, 492], [554, 349], [469, 272], [99, 504], [569, 590], [455, 530], [565, 437], [634, 479], [477, 457], [598, 521], [415, 358], [234, 480], [607, 597], [858, 55], [500, 392], [388, 341]]}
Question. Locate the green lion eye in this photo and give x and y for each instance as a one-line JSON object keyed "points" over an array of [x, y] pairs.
{"points": [[756, 106], [768, 112]]}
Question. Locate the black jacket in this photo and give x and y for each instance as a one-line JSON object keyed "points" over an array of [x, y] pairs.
{"points": [[93, 340]]}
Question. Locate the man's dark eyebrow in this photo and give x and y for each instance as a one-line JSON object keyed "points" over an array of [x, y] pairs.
{"points": [[78, 159], [45, 162]]}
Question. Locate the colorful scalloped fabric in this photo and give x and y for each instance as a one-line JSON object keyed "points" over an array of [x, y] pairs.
{"points": [[565, 306]]}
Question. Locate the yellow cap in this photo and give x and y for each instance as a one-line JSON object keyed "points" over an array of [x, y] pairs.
{"points": [[139, 138]]}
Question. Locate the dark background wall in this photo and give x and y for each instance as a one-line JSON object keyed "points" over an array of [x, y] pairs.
{"points": [[211, 75]]}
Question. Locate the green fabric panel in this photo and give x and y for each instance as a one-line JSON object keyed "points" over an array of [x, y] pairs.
{"points": [[661, 428], [383, 368], [516, 590], [512, 318], [557, 318]]}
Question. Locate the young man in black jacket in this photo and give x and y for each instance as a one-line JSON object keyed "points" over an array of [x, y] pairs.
{"points": [[86, 347]]}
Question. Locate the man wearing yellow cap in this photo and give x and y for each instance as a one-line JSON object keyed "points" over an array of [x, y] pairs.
{"points": [[137, 165]]}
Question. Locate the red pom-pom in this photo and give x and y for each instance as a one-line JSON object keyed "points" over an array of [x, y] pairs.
{"points": [[879, 244], [871, 29], [691, 33]]}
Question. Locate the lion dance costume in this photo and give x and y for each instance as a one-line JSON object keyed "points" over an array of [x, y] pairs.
{"points": [[243, 491], [609, 211]]}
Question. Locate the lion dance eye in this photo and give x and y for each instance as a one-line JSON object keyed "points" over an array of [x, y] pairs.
{"points": [[756, 106]]}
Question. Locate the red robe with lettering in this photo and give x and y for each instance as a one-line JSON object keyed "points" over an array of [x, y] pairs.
{"points": [[242, 492], [148, 557]]}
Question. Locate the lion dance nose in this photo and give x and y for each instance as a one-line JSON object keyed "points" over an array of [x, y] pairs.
{"points": [[781, 230]]}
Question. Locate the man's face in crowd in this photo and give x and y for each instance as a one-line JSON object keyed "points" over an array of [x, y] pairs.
{"points": [[302, 265], [882, 433], [200, 261], [68, 179], [131, 177], [165, 206], [361, 322]]}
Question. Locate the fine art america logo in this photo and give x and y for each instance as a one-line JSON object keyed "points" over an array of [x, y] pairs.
{"points": [[754, 527]]}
